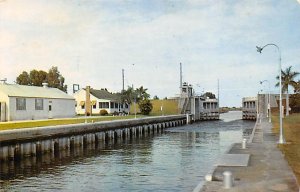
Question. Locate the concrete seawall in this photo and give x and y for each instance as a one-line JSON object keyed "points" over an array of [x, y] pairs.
{"points": [[19, 143]]}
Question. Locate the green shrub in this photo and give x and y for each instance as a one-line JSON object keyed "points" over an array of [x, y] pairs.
{"points": [[145, 106], [295, 103], [115, 113], [103, 112]]}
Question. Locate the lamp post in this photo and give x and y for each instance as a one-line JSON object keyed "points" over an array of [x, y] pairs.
{"points": [[259, 49], [135, 105], [134, 98], [134, 95], [269, 100], [162, 107], [258, 106]]}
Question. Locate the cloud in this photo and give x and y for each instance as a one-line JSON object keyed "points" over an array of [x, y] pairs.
{"points": [[45, 13], [92, 41]]}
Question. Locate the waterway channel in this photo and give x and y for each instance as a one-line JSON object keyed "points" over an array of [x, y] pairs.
{"points": [[176, 160]]}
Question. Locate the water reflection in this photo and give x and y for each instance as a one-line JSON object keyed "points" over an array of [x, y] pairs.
{"points": [[175, 160]]}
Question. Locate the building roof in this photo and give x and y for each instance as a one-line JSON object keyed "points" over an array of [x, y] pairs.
{"points": [[104, 94], [249, 99], [14, 90], [211, 100]]}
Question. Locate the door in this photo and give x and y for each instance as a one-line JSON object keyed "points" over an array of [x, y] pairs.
{"points": [[2, 111], [50, 110]]}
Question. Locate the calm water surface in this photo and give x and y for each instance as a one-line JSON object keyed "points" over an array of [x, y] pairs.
{"points": [[176, 160]]}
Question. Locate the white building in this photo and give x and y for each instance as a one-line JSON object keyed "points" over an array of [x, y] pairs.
{"points": [[20, 102], [100, 100], [209, 108], [249, 108], [202, 108]]}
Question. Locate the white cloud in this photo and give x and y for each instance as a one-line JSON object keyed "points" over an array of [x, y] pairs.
{"points": [[91, 42], [44, 13]]}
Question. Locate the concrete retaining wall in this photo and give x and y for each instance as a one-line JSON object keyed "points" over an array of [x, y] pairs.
{"points": [[20, 143]]}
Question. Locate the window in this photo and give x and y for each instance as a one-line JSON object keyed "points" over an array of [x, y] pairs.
{"points": [[81, 104], [21, 103], [94, 104], [116, 105], [112, 105], [103, 105], [39, 104], [50, 106]]}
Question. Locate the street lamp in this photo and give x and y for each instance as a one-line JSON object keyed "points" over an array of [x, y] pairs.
{"points": [[269, 101], [259, 49], [134, 94], [134, 98]]}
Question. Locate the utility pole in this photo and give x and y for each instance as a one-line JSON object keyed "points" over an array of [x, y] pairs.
{"points": [[180, 75], [218, 93], [123, 80], [88, 109]]}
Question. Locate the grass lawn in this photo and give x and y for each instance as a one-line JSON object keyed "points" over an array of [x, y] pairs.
{"points": [[291, 130], [50, 122], [170, 107]]}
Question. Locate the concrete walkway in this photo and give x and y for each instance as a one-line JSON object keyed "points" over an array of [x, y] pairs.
{"points": [[267, 169]]}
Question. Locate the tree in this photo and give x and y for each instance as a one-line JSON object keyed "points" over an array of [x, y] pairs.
{"points": [[142, 98], [55, 79], [141, 94], [23, 79], [130, 95], [295, 102], [145, 106], [209, 95], [155, 97], [287, 78], [127, 96], [295, 98], [37, 78], [297, 87]]}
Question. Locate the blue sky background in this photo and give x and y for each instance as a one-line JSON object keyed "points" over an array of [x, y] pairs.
{"points": [[92, 41]]}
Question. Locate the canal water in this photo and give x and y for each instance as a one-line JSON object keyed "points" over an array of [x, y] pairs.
{"points": [[176, 160]]}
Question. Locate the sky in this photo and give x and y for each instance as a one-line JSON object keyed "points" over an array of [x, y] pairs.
{"points": [[91, 41]]}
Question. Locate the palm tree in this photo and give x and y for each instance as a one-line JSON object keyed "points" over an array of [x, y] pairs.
{"points": [[127, 96], [141, 94], [287, 78]]}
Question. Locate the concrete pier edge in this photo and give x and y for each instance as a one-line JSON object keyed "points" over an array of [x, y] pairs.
{"points": [[273, 179], [210, 172]]}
